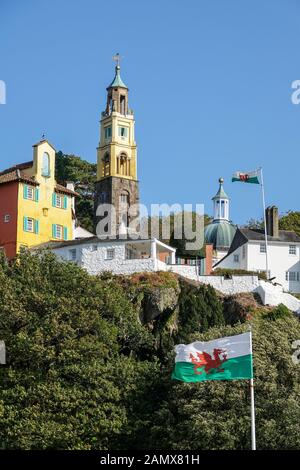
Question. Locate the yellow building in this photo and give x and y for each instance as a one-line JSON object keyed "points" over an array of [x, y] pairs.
{"points": [[34, 209]]}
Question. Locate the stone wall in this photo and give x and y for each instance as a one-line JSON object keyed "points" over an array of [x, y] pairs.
{"points": [[235, 285]]}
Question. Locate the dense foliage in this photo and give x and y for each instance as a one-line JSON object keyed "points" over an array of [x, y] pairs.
{"points": [[83, 175], [89, 362], [288, 221]]}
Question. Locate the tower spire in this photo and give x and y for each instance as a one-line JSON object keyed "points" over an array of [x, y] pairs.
{"points": [[117, 81], [221, 203]]}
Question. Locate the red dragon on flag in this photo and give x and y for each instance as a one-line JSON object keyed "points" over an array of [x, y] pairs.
{"points": [[209, 362]]}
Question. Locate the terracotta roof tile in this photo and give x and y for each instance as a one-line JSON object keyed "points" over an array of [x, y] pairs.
{"points": [[16, 175], [19, 166], [62, 189]]}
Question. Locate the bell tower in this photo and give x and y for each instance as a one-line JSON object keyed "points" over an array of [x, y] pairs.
{"points": [[117, 182]]}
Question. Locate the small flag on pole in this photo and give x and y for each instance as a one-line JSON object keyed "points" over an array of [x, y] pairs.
{"points": [[250, 177], [228, 358]]}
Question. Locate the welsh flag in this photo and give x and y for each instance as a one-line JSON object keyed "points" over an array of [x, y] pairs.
{"points": [[227, 358], [250, 177]]}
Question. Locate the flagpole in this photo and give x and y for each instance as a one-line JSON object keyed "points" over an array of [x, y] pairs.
{"points": [[253, 436], [265, 220]]}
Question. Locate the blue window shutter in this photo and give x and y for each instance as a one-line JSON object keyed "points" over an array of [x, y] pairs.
{"points": [[65, 233], [65, 202], [54, 230], [36, 226], [25, 224], [37, 194], [25, 192], [54, 199]]}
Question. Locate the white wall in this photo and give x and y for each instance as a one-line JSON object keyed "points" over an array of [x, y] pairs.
{"points": [[236, 285], [230, 263], [274, 295], [280, 261], [95, 262], [185, 270]]}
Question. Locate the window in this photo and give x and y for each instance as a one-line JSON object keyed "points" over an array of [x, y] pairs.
{"points": [[244, 251], [122, 104], [59, 232], [6, 218], [106, 165], [30, 225], [103, 198], [293, 276], [110, 254], [124, 198], [262, 248], [236, 258], [46, 165], [292, 250], [72, 254], [94, 248], [123, 132], [222, 209], [107, 132], [59, 201], [29, 192], [123, 164]]}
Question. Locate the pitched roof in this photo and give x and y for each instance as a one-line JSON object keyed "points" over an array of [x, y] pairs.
{"points": [[244, 235], [42, 141], [62, 189], [259, 235], [17, 174]]}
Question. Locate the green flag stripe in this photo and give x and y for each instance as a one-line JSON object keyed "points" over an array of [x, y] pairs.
{"points": [[232, 369], [252, 179]]}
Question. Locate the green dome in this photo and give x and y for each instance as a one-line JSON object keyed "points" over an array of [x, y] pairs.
{"points": [[219, 233]]}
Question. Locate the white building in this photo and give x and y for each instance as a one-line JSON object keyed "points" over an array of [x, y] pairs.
{"points": [[122, 256], [248, 252]]}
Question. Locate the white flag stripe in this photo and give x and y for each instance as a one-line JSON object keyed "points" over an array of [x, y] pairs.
{"points": [[249, 173], [235, 346]]}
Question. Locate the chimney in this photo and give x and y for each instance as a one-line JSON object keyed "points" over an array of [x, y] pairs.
{"points": [[272, 220], [70, 185]]}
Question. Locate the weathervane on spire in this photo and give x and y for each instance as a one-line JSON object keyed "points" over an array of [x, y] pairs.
{"points": [[117, 59]]}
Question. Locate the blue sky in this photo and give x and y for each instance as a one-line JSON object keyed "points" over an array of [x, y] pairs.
{"points": [[210, 84]]}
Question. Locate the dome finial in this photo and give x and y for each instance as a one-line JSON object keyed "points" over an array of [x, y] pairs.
{"points": [[117, 59], [221, 180], [117, 81]]}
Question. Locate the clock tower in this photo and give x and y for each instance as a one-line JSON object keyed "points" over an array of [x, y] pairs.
{"points": [[117, 182]]}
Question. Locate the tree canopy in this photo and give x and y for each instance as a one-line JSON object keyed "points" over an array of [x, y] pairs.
{"points": [[83, 175], [87, 369]]}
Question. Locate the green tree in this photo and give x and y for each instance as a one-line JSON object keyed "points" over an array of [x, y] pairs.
{"points": [[290, 221], [216, 415], [83, 174], [71, 358]]}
